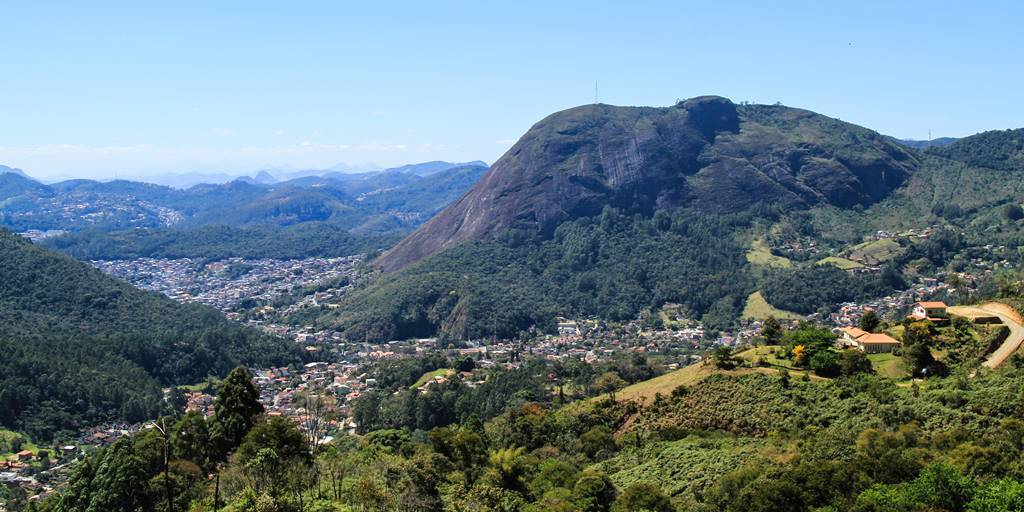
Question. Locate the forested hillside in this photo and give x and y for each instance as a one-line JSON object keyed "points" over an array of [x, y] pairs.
{"points": [[997, 149], [306, 240], [611, 266], [81, 348]]}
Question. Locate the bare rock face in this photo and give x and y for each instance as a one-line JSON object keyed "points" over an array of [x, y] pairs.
{"points": [[704, 153]]}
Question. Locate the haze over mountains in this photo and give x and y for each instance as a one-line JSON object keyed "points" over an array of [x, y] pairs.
{"points": [[369, 202]]}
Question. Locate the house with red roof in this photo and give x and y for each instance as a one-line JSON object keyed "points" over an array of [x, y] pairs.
{"points": [[867, 342], [934, 311]]}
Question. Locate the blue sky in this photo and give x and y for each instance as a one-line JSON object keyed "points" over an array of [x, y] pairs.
{"points": [[103, 88]]}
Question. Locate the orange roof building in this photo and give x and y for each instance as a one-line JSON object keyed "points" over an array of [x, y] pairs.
{"points": [[870, 343], [934, 311]]}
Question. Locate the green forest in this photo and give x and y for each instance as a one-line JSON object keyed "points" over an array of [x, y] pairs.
{"points": [[217, 242], [81, 348], [611, 266], [737, 440]]}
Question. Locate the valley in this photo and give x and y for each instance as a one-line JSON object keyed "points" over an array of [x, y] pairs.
{"points": [[627, 332], [512, 257]]}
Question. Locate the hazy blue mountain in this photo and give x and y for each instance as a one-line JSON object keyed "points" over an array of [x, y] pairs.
{"points": [[12, 170], [428, 168], [925, 144]]}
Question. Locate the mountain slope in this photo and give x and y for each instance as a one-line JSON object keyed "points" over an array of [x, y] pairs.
{"points": [[703, 153], [14, 184], [997, 149], [81, 347], [669, 216]]}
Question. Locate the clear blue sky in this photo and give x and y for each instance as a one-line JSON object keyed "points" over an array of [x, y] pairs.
{"points": [[97, 88]]}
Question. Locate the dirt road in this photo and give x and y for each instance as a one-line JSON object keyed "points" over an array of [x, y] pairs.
{"points": [[1010, 319]]}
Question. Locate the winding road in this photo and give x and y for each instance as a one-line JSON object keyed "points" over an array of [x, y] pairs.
{"points": [[1010, 319]]}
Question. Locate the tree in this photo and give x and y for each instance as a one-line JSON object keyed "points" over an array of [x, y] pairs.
{"points": [[998, 496], [917, 354], [510, 467], [643, 496], [190, 439], [596, 440], [806, 341], [870, 321], [316, 419], [279, 435], [723, 358], [1013, 212], [609, 382], [825, 363], [853, 362], [594, 492], [235, 410], [771, 331]]}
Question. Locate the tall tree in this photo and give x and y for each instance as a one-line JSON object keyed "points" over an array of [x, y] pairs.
{"points": [[191, 439], [870, 321], [771, 331], [609, 382], [235, 410]]}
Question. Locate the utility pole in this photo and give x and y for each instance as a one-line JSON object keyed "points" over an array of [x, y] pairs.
{"points": [[595, 93]]}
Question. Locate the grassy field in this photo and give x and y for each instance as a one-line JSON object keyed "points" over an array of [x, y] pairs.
{"points": [[6, 436], [767, 354], [758, 308], [760, 254], [440, 372], [840, 263], [875, 251], [665, 384], [210, 384], [888, 365]]}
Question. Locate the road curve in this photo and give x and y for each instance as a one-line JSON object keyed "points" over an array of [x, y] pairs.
{"points": [[1010, 319]]}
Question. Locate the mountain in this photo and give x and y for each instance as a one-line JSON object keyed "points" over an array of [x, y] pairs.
{"points": [[703, 153], [11, 170], [82, 348], [185, 179], [353, 169], [367, 204], [998, 149], [612, 212], [925, 144], [427, 196], [429, 168], [13, 184], [265, 178]]}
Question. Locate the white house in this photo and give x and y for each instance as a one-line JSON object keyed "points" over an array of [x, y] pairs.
{"points": [[934, 311]]}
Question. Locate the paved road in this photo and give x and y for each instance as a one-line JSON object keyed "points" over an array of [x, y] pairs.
{"points": [[1010, 319]]}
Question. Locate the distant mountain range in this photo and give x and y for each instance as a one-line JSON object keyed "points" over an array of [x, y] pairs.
{"points": [[925, 144], [370, 202], [270, 175]]}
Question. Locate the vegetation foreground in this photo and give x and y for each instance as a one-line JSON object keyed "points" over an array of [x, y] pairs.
{"points": [[738, 432]]}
